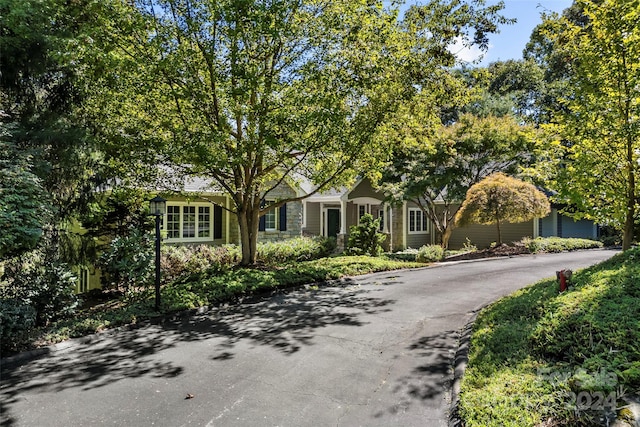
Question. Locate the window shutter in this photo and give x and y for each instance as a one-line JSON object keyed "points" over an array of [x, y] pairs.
{"points": [[283, 217], [217, 222], [262, 224]]}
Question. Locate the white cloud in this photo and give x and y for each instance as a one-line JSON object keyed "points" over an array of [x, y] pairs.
{"points": [[466, 53]]}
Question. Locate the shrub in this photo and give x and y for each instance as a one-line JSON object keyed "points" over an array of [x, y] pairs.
{"points": [[37, 280], [177, 261], [129, 261], [430, 253], [559, 244], [296, 249], [16, 320], [364, 238]]}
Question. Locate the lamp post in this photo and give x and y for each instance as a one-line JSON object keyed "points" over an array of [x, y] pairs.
{"points": [[157, 207]]}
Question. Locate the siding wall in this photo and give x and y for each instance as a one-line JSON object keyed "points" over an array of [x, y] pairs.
{"points": [[416, 240], [583, 228], [365, 189], [314, 227], [483, 235]]}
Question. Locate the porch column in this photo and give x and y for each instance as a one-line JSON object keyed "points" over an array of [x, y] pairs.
{"points": [[385, 219], [341, 240], [343, 217], [323, 221]]}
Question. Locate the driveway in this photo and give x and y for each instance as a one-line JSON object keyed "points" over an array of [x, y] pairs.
{"points": [[374, 350]]}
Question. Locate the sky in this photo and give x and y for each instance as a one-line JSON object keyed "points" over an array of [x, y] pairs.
{"points": [[512, 39]]}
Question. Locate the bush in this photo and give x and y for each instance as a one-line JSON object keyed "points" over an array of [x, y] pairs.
{"points": [[180, 261], [16, 320], [45, 284], [129, 261], [364, 238], [559, 244], [177, 261], [430, 253], [296, 249]]}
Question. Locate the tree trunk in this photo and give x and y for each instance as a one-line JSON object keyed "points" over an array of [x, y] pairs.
{"points": [[446, 235], [627, 237], [499, 234], [249, 220]]}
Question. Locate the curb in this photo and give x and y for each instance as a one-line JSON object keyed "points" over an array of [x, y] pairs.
{"points": [[459, 366]]}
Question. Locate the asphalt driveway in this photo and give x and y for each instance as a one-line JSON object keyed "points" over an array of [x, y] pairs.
{"points": [[374, 350]]}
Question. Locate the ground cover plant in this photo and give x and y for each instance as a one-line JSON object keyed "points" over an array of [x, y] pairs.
{"points": [[538, 357], [559, 244]]}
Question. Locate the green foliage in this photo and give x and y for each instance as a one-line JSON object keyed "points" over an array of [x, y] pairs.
{"points": [[598, 44], [559, 244], [295, 250], [436, 169], [430, 253], [129, 261], [209, 287], [41, 281], [531, 349], [23, 202], [499, 198], [178, 261], [16, 319], [365, 238], [269, 91]]}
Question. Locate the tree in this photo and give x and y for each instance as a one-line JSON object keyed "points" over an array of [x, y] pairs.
{"points": [[40, 92], [365, 238], [436, 172], [254, 94], [597, 149], [23, 207], [499, 198]]}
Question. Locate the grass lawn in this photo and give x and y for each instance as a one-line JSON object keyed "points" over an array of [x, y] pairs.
{"points": [[210, 287], [538, 357]]}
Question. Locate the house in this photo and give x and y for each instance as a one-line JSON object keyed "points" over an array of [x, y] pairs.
{"points": [[332, 213], [196, 214]]}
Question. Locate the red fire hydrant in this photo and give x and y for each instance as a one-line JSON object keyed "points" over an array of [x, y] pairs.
{"points": [[563, 279]]}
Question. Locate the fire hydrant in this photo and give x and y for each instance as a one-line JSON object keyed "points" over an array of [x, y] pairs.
{"points": [[564, 277]]}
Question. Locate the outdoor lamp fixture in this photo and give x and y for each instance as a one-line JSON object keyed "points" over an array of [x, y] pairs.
{"points": [[157, 207]]}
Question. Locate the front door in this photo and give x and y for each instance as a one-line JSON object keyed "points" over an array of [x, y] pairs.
{"points": [[333, 222]]}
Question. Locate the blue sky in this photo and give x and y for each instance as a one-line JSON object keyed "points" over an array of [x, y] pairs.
{"points": [[512, 39]]}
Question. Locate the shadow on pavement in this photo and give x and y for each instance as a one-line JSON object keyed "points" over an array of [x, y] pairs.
{"points": [[285, 322], [432, 375]]}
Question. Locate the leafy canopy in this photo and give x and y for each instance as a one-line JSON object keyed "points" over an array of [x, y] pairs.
{"points": [[500, 198], [593, 158]]}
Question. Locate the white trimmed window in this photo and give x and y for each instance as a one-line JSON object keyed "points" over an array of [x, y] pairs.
{"points": [[362, 209], [417, 221], [188, 221], [271, 220], [381, 217]]}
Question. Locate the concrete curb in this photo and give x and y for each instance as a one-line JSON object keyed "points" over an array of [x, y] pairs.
{"points": [[459, 366]]}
